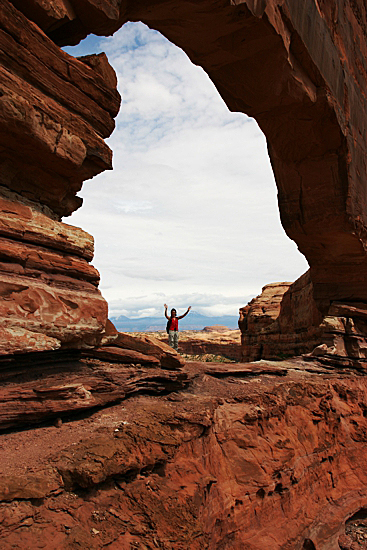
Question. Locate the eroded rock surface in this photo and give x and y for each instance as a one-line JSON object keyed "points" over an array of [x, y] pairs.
{"points": [[54, 113], [264, 455], [49, 295], [285, 321], [34, 393]]}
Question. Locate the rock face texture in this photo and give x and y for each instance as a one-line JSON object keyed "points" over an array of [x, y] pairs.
{"points": [[67, 387], [253, 456], [284, 321], [141, 348], [49, 295], [54, 113]]}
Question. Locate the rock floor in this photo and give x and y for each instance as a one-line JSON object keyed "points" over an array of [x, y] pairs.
{"points": [[242, 456]]}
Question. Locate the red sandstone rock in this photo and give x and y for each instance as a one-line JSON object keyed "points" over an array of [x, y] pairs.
{"points": [[285, 320], [246, 458], [193, 469], [48, 290], [35, 393], [27, 487], [119, 355], [23, 220], [46, 14], [148, 345], [52, 107]]}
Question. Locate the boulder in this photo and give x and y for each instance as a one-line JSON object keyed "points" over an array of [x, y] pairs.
{"points": [[149, 345]]}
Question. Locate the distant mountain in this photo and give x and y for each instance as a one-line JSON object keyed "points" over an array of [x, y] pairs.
{"points": [[193, 321]]}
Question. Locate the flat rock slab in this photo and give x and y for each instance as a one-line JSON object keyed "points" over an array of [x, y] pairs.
{"points": [[120, 355], [148, 345], [38, 394], [244, 369]]}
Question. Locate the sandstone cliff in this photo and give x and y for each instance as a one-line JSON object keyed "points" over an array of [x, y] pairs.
{"points": [[54, 113], [285, 321]]}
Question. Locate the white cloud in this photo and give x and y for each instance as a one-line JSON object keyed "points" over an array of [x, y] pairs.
{"points": [[190, 209]]}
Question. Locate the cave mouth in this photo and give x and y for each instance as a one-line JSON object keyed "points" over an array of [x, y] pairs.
{"points": [[356, 527], [308, 545], [184, 166]]}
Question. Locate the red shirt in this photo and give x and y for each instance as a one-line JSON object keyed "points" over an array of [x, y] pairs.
{"points": [[173, 324]]}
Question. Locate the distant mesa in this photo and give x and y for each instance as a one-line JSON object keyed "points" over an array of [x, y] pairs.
{"points": [[216, 328]]}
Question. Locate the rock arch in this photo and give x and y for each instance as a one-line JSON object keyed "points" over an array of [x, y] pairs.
{"points": [[299, 68]]}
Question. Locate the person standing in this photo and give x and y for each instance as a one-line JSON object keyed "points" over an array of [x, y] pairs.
{"points": [[172, 326]]}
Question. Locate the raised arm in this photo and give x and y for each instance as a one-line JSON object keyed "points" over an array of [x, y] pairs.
{"points": [[181, 316], [165, 311]]}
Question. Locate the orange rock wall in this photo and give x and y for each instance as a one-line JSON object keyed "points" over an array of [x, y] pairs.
{"points": [[54, 113], [282, 321], [48, 289]]}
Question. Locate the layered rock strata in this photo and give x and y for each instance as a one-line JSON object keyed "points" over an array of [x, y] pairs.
{"points": [[49, 291], [36, 387], [285, 320], [248, 456], [54, 113], [37, 393], [282, 321], [139, 348]]}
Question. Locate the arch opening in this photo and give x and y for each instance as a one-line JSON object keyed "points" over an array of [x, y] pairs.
{"points": [[189, 214], [303, 87]]}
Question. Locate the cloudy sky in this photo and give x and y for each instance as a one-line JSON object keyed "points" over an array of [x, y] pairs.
{"points": [[189, 215]]}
